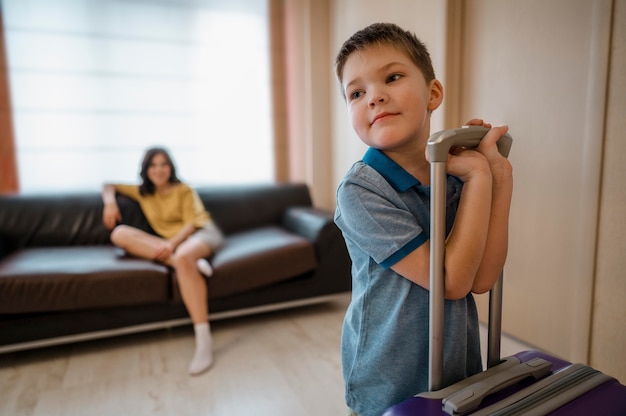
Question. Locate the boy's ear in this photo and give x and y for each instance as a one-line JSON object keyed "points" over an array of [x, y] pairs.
{"points": [[436, 95]]}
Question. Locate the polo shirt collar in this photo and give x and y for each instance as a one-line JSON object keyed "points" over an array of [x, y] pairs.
{"points": [[398, 178]]}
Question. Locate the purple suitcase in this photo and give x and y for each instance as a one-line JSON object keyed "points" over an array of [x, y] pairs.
{"points": [[606, 399], [528, 383]]}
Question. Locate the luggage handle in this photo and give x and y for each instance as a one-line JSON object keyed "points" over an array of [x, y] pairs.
{"points": [[506, 363], [471, 397], [439, 145], [550, 393]]}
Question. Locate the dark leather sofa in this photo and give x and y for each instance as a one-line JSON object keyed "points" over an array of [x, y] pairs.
{"points": [[62, 281]]}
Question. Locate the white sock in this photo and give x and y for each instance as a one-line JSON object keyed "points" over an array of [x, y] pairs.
{"points": [[203, 356], [204, 267]]}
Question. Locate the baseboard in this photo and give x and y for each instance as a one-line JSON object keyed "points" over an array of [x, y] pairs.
{"points": [[87, 336]]}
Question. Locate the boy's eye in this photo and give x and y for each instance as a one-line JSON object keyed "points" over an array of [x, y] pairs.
{"points": [[393, 77], [355, 94]]}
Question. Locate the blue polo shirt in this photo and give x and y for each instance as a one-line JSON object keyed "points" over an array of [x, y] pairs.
{"points": [[384, 214]]}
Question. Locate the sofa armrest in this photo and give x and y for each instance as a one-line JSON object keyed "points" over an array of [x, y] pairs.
{"points": [[307, 222], [318, 226], [3, 248]]}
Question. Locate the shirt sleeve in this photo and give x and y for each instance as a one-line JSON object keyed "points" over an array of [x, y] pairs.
{"points": [[131, 191], [375, 219], [193, 211]]}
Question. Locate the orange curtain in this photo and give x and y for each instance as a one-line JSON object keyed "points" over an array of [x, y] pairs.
{"points": [[8, 164], [279, 98]]}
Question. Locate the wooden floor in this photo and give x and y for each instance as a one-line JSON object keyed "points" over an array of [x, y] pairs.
{"points": [[279, 363]]}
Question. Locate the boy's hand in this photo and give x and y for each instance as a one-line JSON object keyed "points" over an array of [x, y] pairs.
{"points": [[498, 164], [467, 164]]}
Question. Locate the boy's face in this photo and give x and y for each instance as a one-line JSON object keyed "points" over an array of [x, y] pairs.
{"points": [[388, 99]]}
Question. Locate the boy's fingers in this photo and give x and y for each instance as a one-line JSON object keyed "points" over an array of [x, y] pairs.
{"points": [[475, 122], [493, 136], [501, 130], [497, 131], [478, 122]]}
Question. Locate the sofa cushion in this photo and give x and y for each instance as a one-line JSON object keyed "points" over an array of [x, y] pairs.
{"points": [[78, 277], [256, 258]]}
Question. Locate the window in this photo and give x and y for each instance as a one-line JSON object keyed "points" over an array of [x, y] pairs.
{"points": [[93, 83]]}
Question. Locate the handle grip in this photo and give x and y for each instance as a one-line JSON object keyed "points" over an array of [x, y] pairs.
{"points": [[440, 143], [471, 397]]}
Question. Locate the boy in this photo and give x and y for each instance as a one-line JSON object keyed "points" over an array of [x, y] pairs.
{"points": [[390, 90]]}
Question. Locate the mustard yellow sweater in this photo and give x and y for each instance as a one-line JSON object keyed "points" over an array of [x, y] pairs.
{"points": [[168, 213]]}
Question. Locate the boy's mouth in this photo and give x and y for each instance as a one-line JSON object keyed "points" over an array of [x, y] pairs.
{"points": [[380, 116]]}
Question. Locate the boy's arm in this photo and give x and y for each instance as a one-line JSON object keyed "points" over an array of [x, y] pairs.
{"points": [[496, 247], [466, 242], [476, 248]]}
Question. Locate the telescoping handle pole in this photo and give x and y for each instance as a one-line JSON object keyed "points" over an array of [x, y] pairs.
{"points": [[439, 145]]}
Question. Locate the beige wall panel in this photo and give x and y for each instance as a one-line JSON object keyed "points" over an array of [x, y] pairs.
{"points": [[320, 146], [307, 97], [308, 85], [608, 340], [540, 67]]}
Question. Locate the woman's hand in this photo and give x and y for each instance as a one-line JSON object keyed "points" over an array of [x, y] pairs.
{"points": [[163, 251], [111, 215]]}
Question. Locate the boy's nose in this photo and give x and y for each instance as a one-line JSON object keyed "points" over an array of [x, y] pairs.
{"points": [[377, 99]]}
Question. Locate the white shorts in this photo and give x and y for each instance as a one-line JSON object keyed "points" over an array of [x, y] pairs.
{"points": [[210, 235]]}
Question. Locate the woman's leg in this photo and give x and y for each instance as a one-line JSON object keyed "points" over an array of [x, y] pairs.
{"points": [[191, 282], [193, 289], [137, 242]]}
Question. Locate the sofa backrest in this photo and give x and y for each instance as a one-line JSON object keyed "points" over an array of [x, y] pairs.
{"points": [[76, 218], [59, 220], [51, 220], [242, 207]]}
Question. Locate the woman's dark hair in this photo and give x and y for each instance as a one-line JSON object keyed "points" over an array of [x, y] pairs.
{"points": [[147, 187]]}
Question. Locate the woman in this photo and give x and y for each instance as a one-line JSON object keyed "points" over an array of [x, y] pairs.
{"points": [[185, 237]]}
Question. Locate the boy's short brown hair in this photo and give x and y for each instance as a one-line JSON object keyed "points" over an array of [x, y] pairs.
{"points": [[387, 34]]}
